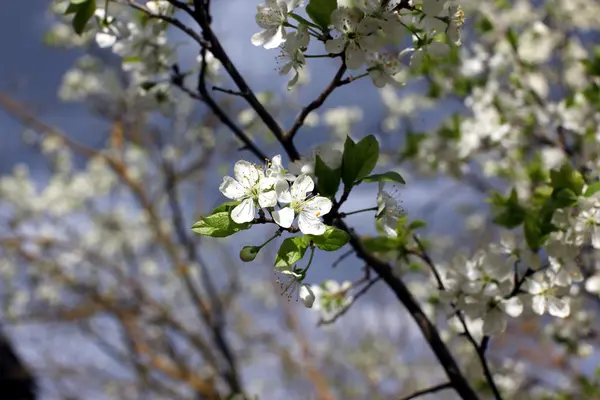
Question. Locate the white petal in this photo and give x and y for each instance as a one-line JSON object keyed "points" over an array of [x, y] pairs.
{"points": [[301, 186], [355, 57], [244, 212], [494, 322], [307, 296], [276, 160], [276, 39], [310, 225], [438, 49], [245, 173], [281, 186], [318, 206], [104, 40], [558, 307], [267, 199], [231, 188], [284, 217], [335, 46], [512, 306], [592, 285], [538, 304], [285, 197], [266, 183]]}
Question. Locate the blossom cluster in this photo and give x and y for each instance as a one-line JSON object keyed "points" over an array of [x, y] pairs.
{"points": [[361, 31], [265, 187]]}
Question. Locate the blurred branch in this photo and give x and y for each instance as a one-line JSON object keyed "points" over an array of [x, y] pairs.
{"points": [[430, 390]]}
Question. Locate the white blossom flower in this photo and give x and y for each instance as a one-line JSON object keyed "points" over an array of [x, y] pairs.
{"points": [[250, 185], [271, 17], [389, 211], [383, 68], [309, 207], [292, 54], [359, 36], [158, 7], [541, 287]]}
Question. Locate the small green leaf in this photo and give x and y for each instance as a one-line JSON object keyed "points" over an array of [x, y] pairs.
{"points": [[320, 11], [533, 234], [359, 159], [416, 224], [564, 198], [390, 176], [333, 239], [328, 179], [85, 11], [291, 251], [592, 189], [219, 222], [381, 244], [567, 177]]}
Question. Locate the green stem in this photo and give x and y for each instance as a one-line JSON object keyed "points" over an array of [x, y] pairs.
{"points": [[277, 234], [312, 253], [358, 211], [304, 21]]}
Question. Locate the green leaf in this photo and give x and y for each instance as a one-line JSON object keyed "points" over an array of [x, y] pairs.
{"points": [[533, 233], [333, 239], [567, 177], [219, 222], [592, 189], [328, 179], [320, 11], [359, 159], [416, 224], [564, 198], [381, 244], [291, 251], [84, 11], [390, 176], [512, 38]]}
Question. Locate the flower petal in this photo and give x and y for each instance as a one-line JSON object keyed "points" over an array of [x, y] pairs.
{"points": [[318, 206], [310, 224], [267, 199], [494, 322], [538, 304], [335, 46], [301, 186], [243, 212], [232, 189], [512, 306], [307, 296], [558, 307], [284, 217], [266, 183], [245, 173]]}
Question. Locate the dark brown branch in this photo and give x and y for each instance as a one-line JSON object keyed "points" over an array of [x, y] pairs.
{"points": [[202, 18]]}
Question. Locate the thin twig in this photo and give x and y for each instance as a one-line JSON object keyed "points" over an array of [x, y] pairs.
{"points": [[430, 390], [318, 102]]}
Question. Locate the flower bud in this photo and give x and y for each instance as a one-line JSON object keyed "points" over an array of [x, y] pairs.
{"points": [[249, 253]]}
